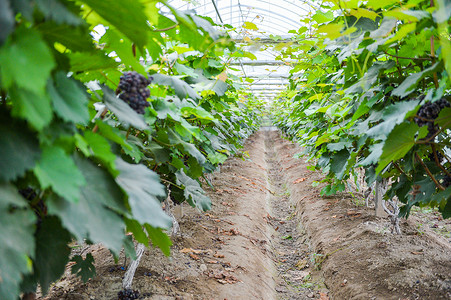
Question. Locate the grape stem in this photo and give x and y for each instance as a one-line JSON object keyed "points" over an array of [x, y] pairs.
{"points": [[439, 186]]}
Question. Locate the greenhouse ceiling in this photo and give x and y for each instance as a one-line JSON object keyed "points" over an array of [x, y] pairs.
{"points": [[273, 18]]}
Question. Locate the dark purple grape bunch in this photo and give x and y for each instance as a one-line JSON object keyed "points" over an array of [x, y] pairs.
{"points": [[428, 113], [134, 91], [128, 294]]}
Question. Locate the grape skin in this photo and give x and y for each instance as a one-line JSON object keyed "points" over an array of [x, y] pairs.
{"points": [[128, 294], [428, 113], [134, 91]]}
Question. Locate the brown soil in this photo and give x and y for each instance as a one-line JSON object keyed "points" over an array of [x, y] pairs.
{"points": [[270, 235]]}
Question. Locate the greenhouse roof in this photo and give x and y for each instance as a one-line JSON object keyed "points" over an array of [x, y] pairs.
{"points": [[273, 19]]}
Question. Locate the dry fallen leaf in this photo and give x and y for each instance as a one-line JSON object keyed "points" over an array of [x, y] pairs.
{"points": [[191, 250], [194, 256], [301, 275], [323, 296], [299, 180], [217, 255], [353, 213], [301, 264], [212, 261]]}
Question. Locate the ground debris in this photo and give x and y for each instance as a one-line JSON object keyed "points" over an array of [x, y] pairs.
{"points": [[223, 276]]}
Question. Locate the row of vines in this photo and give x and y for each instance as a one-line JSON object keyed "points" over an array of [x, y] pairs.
{"points": [[371, 90], [106, 108]]}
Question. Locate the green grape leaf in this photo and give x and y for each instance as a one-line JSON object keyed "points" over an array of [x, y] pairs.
{"points": [[55, 10], [339, 145], [100, 147], [193, 192], [93, 217], [57, 170], [384, 29], [122, 110], [444, 118], [69, 99], [393, 114], [321, 17], [127, 16], [113, 134], [143, 187], [129, 247], [186, 129], [181, 88], [139, 234], [376, 4], [338, 163], [160, 154], [99, 181], [174, 138], [84, 267], [198, 112], [15, 135], [16, 240], [27, 69], [182, 69], [374, 153], [51, 242], [74, 38], [400, 140], [25, 7], [93, 61], [6, 21], [407, 86], [34, 108], [444, 198], [123, 48], [206, 26], [165, 108], [159, 239]]}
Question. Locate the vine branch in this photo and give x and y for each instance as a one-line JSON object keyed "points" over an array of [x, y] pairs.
{"points": [[439, 186]]}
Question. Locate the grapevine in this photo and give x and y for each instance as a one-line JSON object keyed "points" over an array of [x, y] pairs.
{"points": [[353, 99], [97, 126]]}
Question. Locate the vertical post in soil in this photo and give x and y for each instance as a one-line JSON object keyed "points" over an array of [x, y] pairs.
{"points": [[379, 209], [128, 277]]}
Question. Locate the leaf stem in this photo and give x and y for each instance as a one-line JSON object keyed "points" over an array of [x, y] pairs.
{"points": [[166, 29], [439, 186], [399, 168], [171, 183]]}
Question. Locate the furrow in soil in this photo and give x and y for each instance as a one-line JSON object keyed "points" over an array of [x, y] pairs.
{"points": [[292, 255]]}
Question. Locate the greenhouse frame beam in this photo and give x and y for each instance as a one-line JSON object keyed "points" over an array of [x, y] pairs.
{"points": [[262, 62], [293, 25], [266, 41]]}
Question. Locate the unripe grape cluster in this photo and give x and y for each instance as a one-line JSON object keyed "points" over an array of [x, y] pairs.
{"points": [[134, 91], [128, 294], [428, 113]]}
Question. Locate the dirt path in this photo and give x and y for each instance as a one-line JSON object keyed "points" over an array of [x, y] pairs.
{"points": [[270, 235]]}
